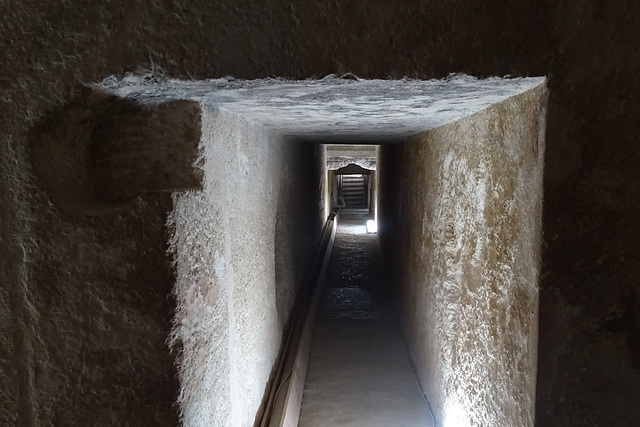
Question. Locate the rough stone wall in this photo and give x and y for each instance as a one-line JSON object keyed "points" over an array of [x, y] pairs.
{"points": [[89, 348], [590, 309], [98, 154], [464, 253], [243, 246]]}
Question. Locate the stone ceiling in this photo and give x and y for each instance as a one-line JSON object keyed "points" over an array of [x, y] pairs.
{"points": [[333, 109]]}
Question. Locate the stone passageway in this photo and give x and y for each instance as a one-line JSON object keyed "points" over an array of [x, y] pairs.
{"points": [[514, 319], [248, 166], [359, 372]]}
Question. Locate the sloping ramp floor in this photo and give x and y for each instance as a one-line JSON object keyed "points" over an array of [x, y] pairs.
{"points": [[359, 372]]}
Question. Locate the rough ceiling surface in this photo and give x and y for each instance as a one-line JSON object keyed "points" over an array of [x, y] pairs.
{"points": [[337, 109], [339, 156]]}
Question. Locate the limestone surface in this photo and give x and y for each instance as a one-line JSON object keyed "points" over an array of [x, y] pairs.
{"points": [[462, 240]]}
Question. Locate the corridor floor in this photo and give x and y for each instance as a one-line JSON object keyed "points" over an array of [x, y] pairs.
{"points": [[359, 372]]}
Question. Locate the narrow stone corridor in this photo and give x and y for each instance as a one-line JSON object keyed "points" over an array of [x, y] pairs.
{"points": [[359, 372]]}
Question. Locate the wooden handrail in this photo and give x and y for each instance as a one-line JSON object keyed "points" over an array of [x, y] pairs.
{"points": [[282, 408]]}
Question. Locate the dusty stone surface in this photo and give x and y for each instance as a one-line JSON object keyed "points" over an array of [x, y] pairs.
{"points": [[590, 309], [338, 110], [98, 154], [340, 156], [243, 246], [460, 210]]}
